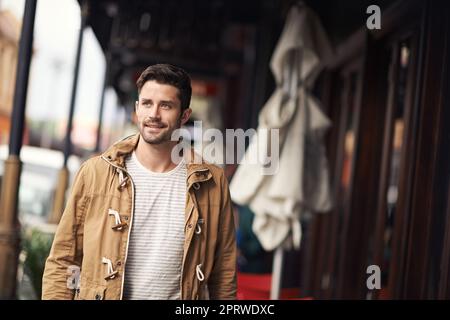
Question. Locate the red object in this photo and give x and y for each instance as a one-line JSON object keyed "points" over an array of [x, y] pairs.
{"points": [[254, 286]]}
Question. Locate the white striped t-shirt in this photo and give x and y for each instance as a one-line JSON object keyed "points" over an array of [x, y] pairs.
{"points": [[155, 250]]}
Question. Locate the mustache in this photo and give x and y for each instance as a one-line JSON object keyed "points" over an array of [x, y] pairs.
{"points": [[152, 122]]}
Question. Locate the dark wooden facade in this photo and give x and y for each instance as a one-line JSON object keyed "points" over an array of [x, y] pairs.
{"points": [[387, 93]]}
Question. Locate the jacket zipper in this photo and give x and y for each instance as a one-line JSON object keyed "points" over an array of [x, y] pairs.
{"points": [[201, 253], [192, 231], [131, 224], [185, 254]]}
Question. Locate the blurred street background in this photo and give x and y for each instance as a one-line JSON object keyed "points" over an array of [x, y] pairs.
{"points": [[364, 174]]}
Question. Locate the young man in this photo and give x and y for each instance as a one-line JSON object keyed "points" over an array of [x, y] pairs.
{"points": [[138, 225]]}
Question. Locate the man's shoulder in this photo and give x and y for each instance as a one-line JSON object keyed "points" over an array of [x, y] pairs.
{"points": [[199, 163], [217, 172], [214, 168]]}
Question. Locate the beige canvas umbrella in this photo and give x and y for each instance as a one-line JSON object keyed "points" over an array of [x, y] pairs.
{"points": [[301, 184]]}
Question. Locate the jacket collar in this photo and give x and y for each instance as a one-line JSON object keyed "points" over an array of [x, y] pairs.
{"points": [[117, 153], [197, 170]]}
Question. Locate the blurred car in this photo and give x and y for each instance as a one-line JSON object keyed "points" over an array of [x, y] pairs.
{"points": [[38, 182]]}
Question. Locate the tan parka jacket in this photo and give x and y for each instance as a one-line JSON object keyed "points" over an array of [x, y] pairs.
{"points": [[88, 233]]}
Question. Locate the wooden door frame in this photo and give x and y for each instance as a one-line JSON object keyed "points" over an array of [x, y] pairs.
{"points": [[428, 201], [421, 244], [348, 60], [368, 158]]}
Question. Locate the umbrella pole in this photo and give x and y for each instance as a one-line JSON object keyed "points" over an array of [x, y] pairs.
{"points": [[277, 268]]}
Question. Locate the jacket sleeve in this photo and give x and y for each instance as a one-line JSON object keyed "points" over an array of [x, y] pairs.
{"points": [[66, 253], [222, 283]]}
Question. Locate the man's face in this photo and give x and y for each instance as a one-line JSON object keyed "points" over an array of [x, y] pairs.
{"points": [[159, 113]]}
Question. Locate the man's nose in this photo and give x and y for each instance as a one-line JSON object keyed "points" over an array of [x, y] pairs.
{"points": [[154, 113]]}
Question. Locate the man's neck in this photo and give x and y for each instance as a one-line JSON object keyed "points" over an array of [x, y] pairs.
{"points": [[155, 157]]}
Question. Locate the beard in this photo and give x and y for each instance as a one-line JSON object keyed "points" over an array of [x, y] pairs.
{"points": [[163, 133]]}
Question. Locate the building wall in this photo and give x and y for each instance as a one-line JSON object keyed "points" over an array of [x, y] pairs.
{"points": [[9, 44]]}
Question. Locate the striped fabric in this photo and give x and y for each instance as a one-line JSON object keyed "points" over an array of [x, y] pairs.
{"points": [[153, 267]]}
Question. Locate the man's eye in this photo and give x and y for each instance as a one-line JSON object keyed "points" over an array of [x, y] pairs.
{"points": [[165, 106]]}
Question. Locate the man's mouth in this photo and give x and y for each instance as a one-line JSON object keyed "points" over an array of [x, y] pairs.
{"points": [[154, 126]]}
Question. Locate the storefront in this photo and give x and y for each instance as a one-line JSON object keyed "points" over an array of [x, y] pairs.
{"points": [[386, 94]]}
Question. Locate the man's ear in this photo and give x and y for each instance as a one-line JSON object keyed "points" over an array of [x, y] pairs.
{"points": [[136, 104], [186, 115]]}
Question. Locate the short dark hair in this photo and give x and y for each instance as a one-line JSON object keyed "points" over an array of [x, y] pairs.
{"points": [[168, 74]]}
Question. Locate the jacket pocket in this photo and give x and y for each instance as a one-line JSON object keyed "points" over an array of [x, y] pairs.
{"points": [[91, 292]]}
